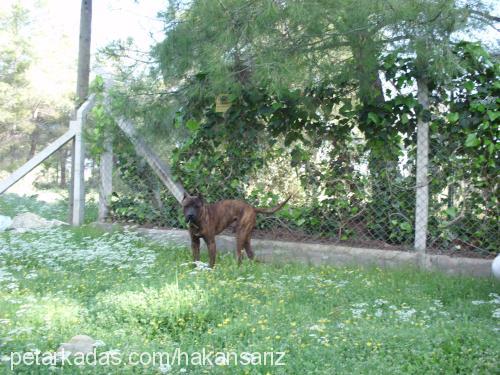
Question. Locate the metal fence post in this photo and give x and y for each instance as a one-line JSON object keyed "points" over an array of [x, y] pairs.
{"points": [[422, 183]]}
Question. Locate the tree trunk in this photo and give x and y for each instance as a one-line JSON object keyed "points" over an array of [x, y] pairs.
{"points": [[33, 143]]}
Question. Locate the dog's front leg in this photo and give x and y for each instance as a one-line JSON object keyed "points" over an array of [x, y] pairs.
{"points": [[195, 248], [211, 251]]}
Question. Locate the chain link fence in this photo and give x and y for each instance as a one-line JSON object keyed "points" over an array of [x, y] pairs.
{"points": [[463, 200], [361, 201]]}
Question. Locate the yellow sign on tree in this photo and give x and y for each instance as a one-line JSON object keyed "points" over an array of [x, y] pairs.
{"points": [[222, 103]]}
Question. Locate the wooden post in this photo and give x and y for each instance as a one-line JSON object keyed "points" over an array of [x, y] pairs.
{"points": [[106, 179], [78, 168], [422, 183], [78, 174], [71, 181]]}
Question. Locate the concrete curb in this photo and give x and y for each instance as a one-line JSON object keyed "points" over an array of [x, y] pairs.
{"points": [[318, 254]]}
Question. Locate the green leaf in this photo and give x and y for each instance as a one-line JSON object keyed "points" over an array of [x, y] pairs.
{"points": [[453, 117], [405, 118], [478, 107], [493, 115], [491, 148], [373, 117], [469, 85], [451, 212], [484, 125], [405, 226], [192, 125], [472, 140]]}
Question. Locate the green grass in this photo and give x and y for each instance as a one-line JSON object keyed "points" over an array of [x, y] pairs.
{"points": [[138, 296]]}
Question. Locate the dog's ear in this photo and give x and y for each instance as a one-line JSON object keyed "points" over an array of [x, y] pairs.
{"points": [[200, 196], [185, 195]]}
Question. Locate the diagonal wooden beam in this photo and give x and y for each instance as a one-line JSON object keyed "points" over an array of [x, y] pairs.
{"points": [[36, 160], [159, 167]]}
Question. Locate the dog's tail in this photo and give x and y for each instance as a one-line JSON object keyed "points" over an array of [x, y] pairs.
{"points": [[271, 210]]}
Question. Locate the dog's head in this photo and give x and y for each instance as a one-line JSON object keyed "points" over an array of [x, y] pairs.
{"points": [[192, 206]]}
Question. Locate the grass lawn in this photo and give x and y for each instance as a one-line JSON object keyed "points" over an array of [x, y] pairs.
{"points": [[138, 296]]}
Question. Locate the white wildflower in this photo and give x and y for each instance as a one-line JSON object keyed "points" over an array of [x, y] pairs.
{"points": [[356, 313], [360, 305], [438, 303], [164, 368], [317, 327], [99, 343], [406, 314], [495, 298]]}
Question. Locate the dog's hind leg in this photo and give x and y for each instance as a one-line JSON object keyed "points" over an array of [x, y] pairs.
{"points": [[240, 242], [248, 248], [245, 232]]}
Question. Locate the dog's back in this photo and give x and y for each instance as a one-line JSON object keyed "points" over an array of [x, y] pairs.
{"points": [[229, 211]]}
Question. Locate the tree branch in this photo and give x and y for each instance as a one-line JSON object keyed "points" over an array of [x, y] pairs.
{"points": [[484, 15]]}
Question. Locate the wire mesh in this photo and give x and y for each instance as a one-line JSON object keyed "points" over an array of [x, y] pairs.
{"points": [[369, 203], [363, 201]]}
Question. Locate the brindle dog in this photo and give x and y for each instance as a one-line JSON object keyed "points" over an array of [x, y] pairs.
{"points": [[207, 220]]}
